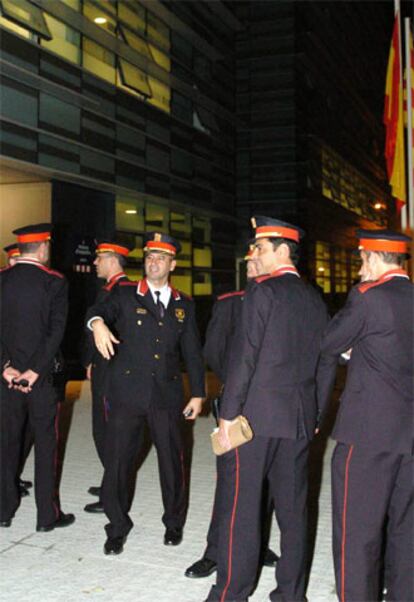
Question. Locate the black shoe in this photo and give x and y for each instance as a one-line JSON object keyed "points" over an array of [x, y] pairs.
{"points": [[94, 508], [114, 545], [5, 523], [64, 520], [173, 537], [24, 492], [95, 491], [26, 484], [201, 568], [270, 558]]}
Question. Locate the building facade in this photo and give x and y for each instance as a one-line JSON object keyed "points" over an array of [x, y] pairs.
{"points": [[123, 116]]}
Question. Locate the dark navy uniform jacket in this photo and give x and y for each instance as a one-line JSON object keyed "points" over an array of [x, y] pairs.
{"points": [[376, 408], [271, 376], [90, 355], [220, 331], [146, 366], [34, 307]]}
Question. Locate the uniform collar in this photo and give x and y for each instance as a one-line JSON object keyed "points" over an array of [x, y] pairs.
{"points": [[29, 260], [285, 269], [395, 273], [143, 288], [115, 277]]}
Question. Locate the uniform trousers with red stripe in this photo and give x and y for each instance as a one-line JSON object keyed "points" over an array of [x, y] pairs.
{"points": [[372, 505], [98, 380], [241, 474], [213, 530], [124, 440], [40, 408]]}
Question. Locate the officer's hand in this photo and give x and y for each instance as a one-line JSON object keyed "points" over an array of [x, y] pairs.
{"points": [[193, 408], [89, 371], [223, 433], [103, 338], [29, 376], [9, 374]]}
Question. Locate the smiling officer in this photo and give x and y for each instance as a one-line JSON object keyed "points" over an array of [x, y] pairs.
{"points": [[156, 323]]}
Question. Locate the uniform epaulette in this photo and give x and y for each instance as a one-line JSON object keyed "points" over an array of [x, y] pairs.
{"points": [[229, 295], [185, 295]]}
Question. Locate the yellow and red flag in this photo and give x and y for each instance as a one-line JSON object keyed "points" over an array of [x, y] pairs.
{"points": [[406, 121], [394, 120]]}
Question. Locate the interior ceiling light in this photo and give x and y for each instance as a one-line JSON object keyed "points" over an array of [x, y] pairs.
{"points": [[378, 206], [131, 211], [100, 20], [321, 269]]}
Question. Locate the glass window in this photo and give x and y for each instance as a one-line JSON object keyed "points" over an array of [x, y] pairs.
{"points": [[134, 273], [134, 78], [12, 26], [99, 15], [132, 14], [202, 256], [26, 14], [184, 257], [201, 229], [161, 95], [156, 218], [182, 279], [157, 31], [75, 4], [202, 284], [180, 225], [65, 41], [323, 269], [129, 214], [58, 116], [98, 60], [134, 41], [159, 57], [134, 242]]}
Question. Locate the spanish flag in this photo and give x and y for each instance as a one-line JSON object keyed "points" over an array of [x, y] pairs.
{"points": [[411, 67], [394, 120]]}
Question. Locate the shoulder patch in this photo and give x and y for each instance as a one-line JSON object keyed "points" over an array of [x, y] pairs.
{"points": [[230, 295]]}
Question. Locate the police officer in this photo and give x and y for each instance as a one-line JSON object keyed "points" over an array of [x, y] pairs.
{"points": [[154, 322], [110, 262], [271, 382], [34, 310], [372, 465], [12, 253], [220, 331]]}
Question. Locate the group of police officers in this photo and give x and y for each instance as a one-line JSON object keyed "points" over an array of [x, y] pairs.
{"points": [[276, 352]]}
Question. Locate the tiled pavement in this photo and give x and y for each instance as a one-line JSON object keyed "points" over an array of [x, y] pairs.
{"points": [[68, 565]]}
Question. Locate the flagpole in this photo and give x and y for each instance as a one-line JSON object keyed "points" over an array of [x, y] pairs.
{"points": [[397, 12], [409, 87]]}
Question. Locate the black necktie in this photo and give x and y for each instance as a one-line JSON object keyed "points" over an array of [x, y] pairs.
{"points": [[160, 306]]}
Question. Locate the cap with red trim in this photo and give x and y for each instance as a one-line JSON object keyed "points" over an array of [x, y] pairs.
{"points": [[161, 243], [33, 233], [110, 246], [12, 250], [268, 227], [386, 241]]}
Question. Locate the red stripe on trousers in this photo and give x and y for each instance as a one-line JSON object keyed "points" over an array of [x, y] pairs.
{"points": [[233, 518], [57, 509], [344, 510]]}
